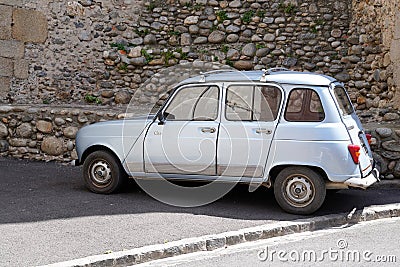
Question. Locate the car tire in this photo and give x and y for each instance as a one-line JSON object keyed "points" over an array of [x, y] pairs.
{"points": [[103, 173], [299, 190]]}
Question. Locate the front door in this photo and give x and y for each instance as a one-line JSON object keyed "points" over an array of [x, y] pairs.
{"points": [[185, 140], [247, 128]]}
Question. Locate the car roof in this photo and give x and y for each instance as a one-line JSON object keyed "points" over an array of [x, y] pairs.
{"points": [[274, 76]]}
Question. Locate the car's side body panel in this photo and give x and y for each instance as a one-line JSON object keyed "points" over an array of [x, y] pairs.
{"points": [[243, 146], [315, 143], [181, 148], [316, 154], [133, 161], [117, 136]]}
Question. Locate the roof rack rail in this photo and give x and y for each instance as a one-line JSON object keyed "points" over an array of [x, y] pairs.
{"points": [[269, 71], [203, 75]]}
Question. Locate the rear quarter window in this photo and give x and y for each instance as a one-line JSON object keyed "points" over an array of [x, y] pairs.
{"points": [[304, 105], [345, 106]]}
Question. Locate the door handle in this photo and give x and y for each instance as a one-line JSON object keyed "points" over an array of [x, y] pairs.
{"points": [[266, 131], [208, 130]]}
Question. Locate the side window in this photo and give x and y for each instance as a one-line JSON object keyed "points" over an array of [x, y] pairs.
{"points": [[343, 100], [194, 103], [239, 100], [267, 101], [252, 103], [304, 105]]}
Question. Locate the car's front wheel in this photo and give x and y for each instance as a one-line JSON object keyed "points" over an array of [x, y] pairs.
{"points": [[299, 190], [103, 173]]}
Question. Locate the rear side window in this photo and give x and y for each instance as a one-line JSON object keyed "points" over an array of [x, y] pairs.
{"points": [[252, 103], [345, 106], [304, 105]]}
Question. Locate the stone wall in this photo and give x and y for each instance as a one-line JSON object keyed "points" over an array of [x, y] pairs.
{"points": [[46, 133], [243, 34], [386, 148], [374, 56], [19, 24], [103, 52], [100, 52]]}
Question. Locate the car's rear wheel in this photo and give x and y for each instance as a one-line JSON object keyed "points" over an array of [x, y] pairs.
{"points": [[103, 173], [299, 190]]}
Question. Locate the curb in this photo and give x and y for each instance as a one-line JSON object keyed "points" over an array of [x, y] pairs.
{"points": [[223, 240]]}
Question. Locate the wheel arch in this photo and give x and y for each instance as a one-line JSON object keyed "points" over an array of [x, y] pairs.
{"points": [[95, 148], [278, 168]]}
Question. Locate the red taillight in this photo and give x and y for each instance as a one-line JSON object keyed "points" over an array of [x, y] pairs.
{"points": [[355, 153], [369, 138]]}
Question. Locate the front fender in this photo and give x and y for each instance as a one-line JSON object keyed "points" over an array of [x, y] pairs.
{"points": [[115, 136]]}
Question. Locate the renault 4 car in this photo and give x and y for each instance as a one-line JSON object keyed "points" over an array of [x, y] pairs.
{"points": [[294, 131]]}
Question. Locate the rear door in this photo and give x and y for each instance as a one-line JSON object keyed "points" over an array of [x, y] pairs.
{"points": [[354, 128], [247, 127]]}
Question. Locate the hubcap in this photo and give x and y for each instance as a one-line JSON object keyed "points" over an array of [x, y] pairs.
{"points": [[299, 191], [100, 172]]}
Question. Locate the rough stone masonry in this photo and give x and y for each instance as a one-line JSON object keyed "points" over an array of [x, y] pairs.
{"points": [[66, 59]]}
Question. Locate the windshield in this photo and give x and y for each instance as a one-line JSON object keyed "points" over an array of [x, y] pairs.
{"points": [[345, 106]]}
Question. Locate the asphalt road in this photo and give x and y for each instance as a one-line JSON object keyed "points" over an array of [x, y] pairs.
{"points": [[372, 243], [48, 216]]}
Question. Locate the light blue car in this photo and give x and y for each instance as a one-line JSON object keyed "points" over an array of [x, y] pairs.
{"points": [[294, 131]]}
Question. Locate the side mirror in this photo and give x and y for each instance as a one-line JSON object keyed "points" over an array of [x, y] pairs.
{"points": [[161, 118]]}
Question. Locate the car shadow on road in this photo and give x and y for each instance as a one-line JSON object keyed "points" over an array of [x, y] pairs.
{"points": [[37, 191]]}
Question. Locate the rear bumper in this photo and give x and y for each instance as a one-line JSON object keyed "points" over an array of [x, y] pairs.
{"points": [[365, 182]]}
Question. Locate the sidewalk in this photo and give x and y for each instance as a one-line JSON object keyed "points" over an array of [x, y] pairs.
{"points": [[223, 240]]}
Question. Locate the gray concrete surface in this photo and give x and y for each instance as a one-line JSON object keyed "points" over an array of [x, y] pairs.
{"points": [[47, 215], [373, 243]]}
